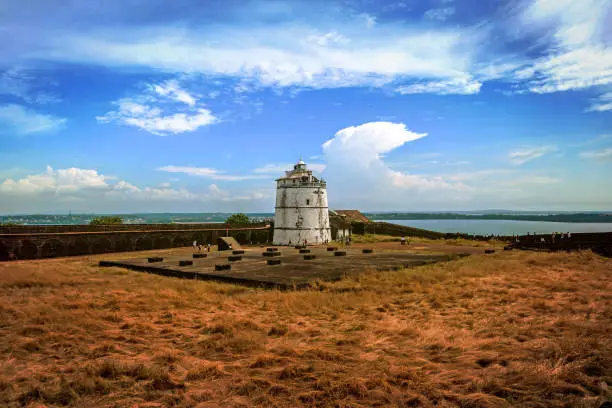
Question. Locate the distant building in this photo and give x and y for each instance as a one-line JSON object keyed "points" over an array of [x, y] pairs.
{"points": [[301, 213]]}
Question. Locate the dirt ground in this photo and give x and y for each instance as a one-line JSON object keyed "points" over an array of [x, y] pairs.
{"points": [[500, 330]]}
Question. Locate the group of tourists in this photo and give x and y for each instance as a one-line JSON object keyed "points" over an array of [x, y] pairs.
{"points": [[198, 246]]}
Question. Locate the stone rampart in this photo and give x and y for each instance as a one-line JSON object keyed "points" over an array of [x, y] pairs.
{"points": [[31, 242]]}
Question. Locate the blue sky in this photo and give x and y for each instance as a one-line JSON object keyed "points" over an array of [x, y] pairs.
{"points": [[147, 106]]}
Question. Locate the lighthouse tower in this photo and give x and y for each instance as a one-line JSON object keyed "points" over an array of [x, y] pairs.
{"points": [[301, 214]]}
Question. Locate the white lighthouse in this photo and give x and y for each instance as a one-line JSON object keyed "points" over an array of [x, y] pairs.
{"points": [[301, 214]]}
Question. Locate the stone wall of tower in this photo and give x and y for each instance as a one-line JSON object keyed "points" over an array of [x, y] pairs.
{"points": [[301, 213]]}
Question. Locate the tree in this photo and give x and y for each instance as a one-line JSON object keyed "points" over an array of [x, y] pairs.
{"points": [[106, 220], [238, 219], [10, 224]]}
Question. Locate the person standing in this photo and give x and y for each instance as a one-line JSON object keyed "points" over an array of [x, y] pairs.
{"points": [[195, 245]]}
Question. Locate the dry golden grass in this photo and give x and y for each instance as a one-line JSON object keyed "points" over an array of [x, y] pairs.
{"points": [[508, 329]]}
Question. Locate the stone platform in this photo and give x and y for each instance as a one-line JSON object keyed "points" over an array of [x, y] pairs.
{"points": [[293, 272]]}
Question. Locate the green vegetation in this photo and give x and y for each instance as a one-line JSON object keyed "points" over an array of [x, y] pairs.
{"points": [[576, 217], [10, 224], [106, 220], [238, 219]]}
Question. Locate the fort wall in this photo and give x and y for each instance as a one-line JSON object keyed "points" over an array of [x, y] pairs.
{"points": [[32, 242]]}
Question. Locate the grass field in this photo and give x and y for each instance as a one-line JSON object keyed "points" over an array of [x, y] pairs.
{"points": [[509, 329]]}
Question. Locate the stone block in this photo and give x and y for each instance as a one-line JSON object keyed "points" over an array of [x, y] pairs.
{"points": [[271, 253], [331, 249], [309, 257], [155, 259], [195, 256], [271, 249], [367, 250], [233, 258], [274, 261], [222, 267], [304, 251], [185, 262], [340, 253], [489, 251], [238, 252]]}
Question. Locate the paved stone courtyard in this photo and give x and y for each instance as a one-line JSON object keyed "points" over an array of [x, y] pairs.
{"points": [[293, 271]]}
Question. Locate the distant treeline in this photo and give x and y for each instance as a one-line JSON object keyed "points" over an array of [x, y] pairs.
{"points": [[578, 217]]}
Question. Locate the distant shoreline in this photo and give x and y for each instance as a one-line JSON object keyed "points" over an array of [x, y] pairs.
{"points": [[195, 218], [570, 218]]}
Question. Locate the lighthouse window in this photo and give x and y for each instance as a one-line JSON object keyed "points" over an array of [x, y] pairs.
{"points": [[307, 202]]}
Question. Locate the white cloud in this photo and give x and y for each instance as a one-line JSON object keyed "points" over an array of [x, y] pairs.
{"points": [[208, 172], [172, 90], [281, 55], [439, 14], [579, 56], [602, 104], [370, 21], [20, 120], [459, 86], [329, 38], [88, 190], [63, 180], [524, 155], [603, 155], [357, 171], [20, 83], [145, 111], [369, 141]]}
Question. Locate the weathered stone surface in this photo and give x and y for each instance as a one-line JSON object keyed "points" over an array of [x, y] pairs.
{"points": [[31, 242]]}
